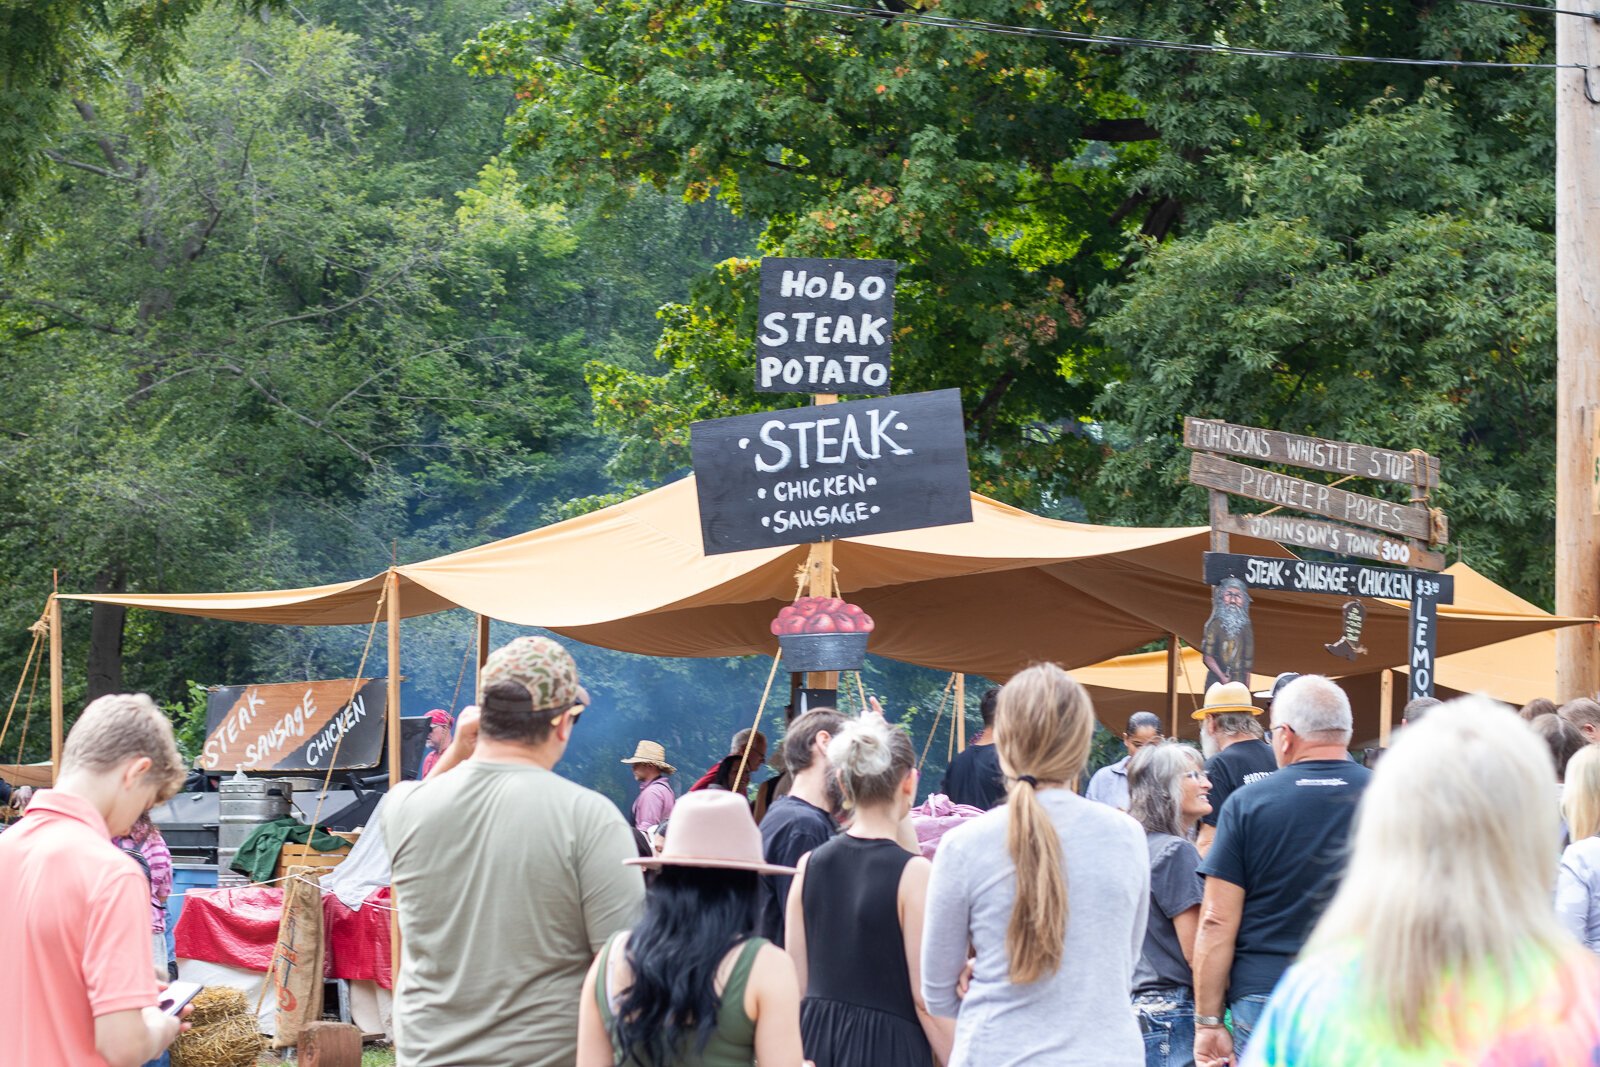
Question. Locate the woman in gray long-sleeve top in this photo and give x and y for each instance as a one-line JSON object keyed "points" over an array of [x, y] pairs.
{"points": [[1051, 891]]}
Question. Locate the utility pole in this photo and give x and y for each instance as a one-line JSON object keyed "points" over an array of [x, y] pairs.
{"points": [[1577, 353]]}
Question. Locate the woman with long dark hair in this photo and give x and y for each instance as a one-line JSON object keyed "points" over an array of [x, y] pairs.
{"points": [[1167, 789], [691, 985]]}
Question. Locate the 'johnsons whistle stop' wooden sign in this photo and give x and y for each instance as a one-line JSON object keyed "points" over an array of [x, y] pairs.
{"points": [[835, 470]]}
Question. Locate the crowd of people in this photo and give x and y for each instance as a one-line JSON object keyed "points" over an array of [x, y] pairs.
{"points": [[1262, 900]]}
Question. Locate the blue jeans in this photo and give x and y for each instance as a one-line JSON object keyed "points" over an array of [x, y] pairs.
{"points": [[1167, 1021], [1246, 1012]]}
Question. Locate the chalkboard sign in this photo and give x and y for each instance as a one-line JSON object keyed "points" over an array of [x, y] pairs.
{"points": [[1424, 633], [836, 470], [825, 325], [1340, 579], [294, 726]]}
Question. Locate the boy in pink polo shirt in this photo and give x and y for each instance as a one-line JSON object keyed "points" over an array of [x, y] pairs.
{"points": [[77, 921]]}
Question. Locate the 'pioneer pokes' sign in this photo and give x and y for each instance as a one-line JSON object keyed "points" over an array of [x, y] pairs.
{"points": [[825, 325], [294, 726], [836, 470]]}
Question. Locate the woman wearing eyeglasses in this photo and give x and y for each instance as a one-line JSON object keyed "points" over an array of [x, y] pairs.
{"points": [[1168, 795]]}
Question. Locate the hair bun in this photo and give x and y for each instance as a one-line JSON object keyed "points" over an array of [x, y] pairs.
{"points": [[861, 748]]}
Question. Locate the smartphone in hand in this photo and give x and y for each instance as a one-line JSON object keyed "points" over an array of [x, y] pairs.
{"points": [[177, 996]]}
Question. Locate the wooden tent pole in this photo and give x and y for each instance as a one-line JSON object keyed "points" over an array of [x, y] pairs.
{"points": [[1172, 682], [483, 656], [819, 574], [961, 712], [56, 711], [819, 582], [392, 605], [1385, 707]]}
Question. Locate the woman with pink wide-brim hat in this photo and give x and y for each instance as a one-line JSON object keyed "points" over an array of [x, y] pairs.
{"points": [[694, 955]]}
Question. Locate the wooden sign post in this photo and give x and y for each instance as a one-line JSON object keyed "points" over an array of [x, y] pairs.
{"points": [[811, 475], [1368, 527]]}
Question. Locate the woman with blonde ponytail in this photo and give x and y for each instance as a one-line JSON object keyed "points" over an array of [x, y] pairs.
{"points": [[855, 915], [1050, 891]]}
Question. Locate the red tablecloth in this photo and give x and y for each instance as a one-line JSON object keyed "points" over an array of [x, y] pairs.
{"points": [[239, 927]]}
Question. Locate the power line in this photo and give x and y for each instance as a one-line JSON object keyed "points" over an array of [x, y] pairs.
{"points": [[1534, 7], [831, 7]]}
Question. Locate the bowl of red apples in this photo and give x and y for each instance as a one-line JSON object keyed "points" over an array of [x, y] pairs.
{"points": [[822, 633]]}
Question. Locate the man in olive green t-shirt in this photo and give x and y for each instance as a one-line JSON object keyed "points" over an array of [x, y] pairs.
{"points": [[508, 877]]}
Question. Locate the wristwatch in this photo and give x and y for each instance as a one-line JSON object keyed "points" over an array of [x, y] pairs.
{"points": [[1207, 1020]]}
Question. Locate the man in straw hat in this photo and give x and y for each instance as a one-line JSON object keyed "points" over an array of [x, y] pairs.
{"points": [[1276, 862], [650, 769], [1235, 752], [508, 877]]}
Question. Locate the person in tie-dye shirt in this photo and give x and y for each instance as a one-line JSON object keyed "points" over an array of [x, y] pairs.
{"points": [[1441, 947]]}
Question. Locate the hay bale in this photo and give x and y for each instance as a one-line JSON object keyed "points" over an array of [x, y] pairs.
{"points": [[217, 1002], [223, 1034]]}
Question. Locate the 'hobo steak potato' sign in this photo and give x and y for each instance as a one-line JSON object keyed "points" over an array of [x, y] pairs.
{"points": [[825, 325], [838, 470], [294, 726]]}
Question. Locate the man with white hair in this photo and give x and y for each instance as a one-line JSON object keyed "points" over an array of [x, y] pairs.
{"points": [[1277, 858]]}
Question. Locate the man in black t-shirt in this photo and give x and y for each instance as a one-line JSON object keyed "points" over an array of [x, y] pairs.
{"points": [[801, 819], [974, 776], [1235, 753], [1277, 859]]}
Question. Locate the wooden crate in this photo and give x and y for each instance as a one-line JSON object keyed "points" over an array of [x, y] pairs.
{"points": [[306, 856]]}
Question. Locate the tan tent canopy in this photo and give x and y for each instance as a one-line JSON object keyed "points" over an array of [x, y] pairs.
{"points": [[986, 597], [19, 774]]}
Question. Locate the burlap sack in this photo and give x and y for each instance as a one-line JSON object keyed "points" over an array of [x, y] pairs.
{"points": [[297, 959]]}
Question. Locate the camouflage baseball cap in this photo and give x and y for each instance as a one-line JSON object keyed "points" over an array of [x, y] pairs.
{"points": [[542, 667]]}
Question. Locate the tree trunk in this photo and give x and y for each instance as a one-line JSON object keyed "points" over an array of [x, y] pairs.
{"points": [[105, 635]]}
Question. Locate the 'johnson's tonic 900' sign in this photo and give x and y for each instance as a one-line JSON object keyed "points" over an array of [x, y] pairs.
{"points": [[825, 326], [837, 470]]}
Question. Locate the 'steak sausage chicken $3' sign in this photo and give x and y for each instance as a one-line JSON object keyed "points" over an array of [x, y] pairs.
{"points": [[825, 326], [837, 470]]}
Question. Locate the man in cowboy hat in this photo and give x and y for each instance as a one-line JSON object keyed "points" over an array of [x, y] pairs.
{"points": [[650, 769], [1230, 736], [508, 877], [1276, 862]]}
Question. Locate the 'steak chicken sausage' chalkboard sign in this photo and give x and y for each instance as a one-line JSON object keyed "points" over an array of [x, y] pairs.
{"points": [[838, 470], [825, 326]]}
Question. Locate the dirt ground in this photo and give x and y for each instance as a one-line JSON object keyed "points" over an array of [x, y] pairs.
{"points": [[372, 1056]]}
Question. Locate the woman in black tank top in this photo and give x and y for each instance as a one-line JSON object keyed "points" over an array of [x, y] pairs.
{"points": [[855, 905]]}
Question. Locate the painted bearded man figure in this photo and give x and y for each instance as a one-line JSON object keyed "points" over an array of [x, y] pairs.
{"points": [[1229, 644]]}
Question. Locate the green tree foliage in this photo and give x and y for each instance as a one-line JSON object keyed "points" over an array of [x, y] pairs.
{"points": [[973, 161], [304, 320], [57, 57], [1095, 242]]}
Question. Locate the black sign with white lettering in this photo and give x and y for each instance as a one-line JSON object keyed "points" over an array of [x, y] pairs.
{"points": [[1338, 579], [835, 470], [1424, 634], [295, 726], [825, 325]]}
